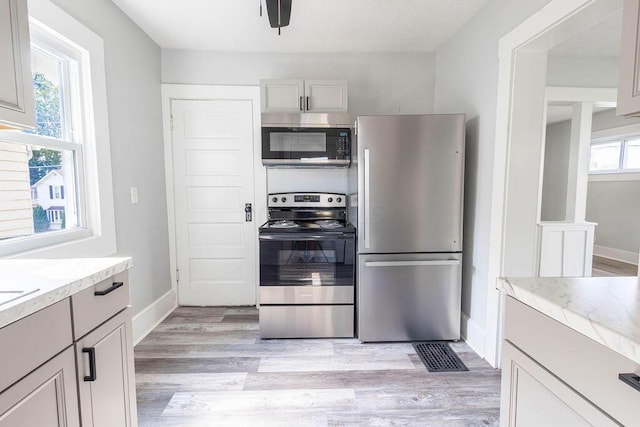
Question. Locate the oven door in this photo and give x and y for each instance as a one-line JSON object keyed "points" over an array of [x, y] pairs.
{"points": [[299, 268]]}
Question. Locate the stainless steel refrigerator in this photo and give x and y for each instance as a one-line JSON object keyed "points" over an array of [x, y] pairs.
{"points": [[409, 201]]}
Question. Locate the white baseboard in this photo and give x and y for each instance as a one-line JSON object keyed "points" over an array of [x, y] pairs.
{"points": [[151, 316], [472, 334], [616, 254]]}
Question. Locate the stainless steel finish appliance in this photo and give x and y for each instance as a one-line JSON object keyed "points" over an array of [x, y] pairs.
{"points": [[306, 140], [307, 267], [409, 217]]}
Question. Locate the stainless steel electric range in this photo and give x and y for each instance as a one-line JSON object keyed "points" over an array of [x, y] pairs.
{"points": [[307, 274]]}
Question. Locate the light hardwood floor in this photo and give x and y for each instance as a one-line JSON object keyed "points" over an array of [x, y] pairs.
{"points": [[208, 367], [609, 267]]}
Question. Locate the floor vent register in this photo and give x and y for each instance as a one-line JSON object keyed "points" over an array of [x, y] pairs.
{"points": [[438, 357]]}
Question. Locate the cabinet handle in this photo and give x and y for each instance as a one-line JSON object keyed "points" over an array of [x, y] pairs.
{"points": [[110, 289], [92, 363], [630, 379], [307, 103], [301, 105]]}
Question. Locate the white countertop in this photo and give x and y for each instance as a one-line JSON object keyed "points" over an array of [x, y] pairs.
{"points": [[54, 279], [605, 309]]}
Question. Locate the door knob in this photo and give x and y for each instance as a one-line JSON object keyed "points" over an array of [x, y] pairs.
{"points": [[247, 212]]}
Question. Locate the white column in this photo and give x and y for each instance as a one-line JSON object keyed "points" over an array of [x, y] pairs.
{"points": [[578, 175]]}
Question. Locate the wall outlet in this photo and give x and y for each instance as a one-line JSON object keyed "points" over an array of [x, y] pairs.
{"points": [[134, 195]]}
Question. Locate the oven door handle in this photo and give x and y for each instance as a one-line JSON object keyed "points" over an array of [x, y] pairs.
{"points": [[305, 237]]}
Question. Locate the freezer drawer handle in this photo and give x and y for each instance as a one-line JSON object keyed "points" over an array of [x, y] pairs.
{"points": [[411, 263]]}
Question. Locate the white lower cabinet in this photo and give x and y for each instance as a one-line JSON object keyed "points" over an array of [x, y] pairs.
{"points": [[553, 375], [45, 397], [533, 397], [106, 375]]}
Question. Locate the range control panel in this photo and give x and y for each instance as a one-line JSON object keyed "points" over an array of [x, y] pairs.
{"points": [[306, 200]]}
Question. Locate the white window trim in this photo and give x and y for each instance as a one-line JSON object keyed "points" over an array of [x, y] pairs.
{"points": [[99, 238], [608, 135]]}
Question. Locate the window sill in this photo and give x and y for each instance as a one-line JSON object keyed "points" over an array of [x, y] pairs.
{"points": [[614, 176], [65, 244]]}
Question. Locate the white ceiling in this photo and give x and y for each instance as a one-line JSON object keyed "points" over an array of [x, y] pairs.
{"points": [[316, 25]]}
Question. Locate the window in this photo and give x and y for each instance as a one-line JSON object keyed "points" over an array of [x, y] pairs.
{"points": [[55, 181], [615, 156], [45, 160]]}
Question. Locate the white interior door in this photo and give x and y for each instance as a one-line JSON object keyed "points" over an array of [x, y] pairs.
{"points": [[213, 158]]}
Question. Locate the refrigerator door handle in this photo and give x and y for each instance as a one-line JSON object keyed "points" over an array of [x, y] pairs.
{"points": [[367, 211], [411, 263]]}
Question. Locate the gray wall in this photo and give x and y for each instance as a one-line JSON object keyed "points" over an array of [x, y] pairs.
{"points": [[379, 83], [556, 160], [614, 205], [467, 81], [582, 71], [135, 125]]}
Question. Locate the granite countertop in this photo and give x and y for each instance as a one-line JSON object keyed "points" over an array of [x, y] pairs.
{"points": [[47, 281], [605, 309]]}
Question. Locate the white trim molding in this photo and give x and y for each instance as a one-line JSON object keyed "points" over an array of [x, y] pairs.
{"points": [[150, 317], [615, 176], [472, 334], [616, 254], [601, 97], [540, 32]]}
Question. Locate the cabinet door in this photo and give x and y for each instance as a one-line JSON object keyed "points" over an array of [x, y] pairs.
{"points": [[282, 96], [533, 397], [46, 397], [16, 90], [325, 96], [629, 74], [107, 389]]}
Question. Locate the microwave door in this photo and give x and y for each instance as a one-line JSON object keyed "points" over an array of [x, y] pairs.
{"points": [[305, 147]]}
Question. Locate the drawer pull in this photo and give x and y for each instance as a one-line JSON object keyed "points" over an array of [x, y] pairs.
{"points": [[630, 379], [110, 289], [92, 363]]}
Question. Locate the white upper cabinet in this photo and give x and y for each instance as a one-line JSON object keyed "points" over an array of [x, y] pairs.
{"points": [[629, 73], [16, 90], [303, 96]]}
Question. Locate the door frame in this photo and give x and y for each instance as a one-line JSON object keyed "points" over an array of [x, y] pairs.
{"points": [[538, 32], [187, 92]]}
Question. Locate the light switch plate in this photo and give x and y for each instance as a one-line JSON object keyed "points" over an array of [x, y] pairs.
{"points": [[134, 195]]}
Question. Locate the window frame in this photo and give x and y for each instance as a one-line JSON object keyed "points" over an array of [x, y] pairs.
{"points": [[623, 140], [93, 158]]}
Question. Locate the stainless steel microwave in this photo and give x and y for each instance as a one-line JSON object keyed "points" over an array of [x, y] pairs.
{"points": [[307, 143]]}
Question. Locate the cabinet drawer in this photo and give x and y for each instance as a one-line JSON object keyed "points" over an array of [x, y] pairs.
{"points": [[585, 365], [98, 303], [36, 339]]}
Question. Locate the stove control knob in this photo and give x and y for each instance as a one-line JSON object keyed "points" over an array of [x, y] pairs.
{"points": [[339, 199], [284, 199], [275, 199], [330, 199]]}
